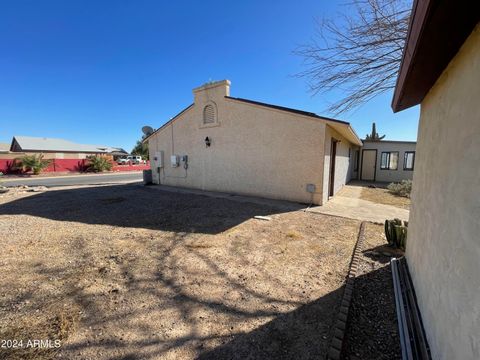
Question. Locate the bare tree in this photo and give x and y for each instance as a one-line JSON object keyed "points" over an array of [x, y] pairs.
{"points": [[359, 53]]}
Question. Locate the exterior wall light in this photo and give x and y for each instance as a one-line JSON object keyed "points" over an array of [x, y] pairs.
{"points": [[208, 142]]}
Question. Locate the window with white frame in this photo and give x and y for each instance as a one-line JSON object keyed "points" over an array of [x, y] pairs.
{"points": [[389, 160], [409, 160]]}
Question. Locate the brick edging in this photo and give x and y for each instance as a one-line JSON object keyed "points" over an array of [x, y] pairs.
{"points": [[335, 349]]}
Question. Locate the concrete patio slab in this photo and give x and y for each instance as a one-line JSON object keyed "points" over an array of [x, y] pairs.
{"points": [[347, 203]]}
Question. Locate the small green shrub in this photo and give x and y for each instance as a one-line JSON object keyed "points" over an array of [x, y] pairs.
{"points": [[35, 163], [403, 188], [99, 163]]}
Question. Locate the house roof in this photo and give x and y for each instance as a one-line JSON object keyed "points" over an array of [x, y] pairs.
{"points": [[283, 108], [28, 143], [343, 127], [167, 123], [437, 30], [390, 141]]}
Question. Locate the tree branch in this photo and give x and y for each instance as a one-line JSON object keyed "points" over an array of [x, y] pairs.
{"points": [[359, 54]]}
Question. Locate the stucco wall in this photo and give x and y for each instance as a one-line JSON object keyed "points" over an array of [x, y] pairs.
{"points": [[386, 146], [255, 150], [443, 249], [344, 163]]}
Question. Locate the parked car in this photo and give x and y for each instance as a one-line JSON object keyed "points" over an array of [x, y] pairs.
{"points": [[131, 159]]}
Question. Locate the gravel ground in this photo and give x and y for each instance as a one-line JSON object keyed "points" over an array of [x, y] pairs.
{"points": [[131, 272], [372, 331]]}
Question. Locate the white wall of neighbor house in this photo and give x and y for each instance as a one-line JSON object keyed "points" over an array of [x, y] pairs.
{"points": [[344, 161], [443, 249], [254, 150], [388, 175]]}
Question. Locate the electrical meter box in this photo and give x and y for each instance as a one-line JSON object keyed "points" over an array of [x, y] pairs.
{"points": [[158, 159], [174, 160]]}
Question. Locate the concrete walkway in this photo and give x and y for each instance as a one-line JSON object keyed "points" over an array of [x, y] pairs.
{"points": [[347, 203]]}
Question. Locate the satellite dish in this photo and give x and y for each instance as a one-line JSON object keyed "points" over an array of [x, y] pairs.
{"points": [[147, 130]]}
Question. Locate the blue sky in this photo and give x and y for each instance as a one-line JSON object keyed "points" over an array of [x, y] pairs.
{"points": [[97, 71]]}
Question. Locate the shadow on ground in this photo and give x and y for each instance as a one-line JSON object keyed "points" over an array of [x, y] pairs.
{"points": [[263, 290], [382, 253], [138, 207], [372, 184], [294, 335]]}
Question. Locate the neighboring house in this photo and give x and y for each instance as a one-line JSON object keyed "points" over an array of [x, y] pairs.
{"points": [[441, 71], [49, 145], [227, 144], [386, 160], [64, 155]]}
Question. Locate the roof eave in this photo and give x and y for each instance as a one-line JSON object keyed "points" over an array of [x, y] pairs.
{"points": [[350, 134], [355, 139], [287, 109], [436, 32], [167, 123]]}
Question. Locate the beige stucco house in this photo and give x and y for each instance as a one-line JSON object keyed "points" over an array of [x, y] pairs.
{"points": [[386, 160], [441, 71], [226, 144]]}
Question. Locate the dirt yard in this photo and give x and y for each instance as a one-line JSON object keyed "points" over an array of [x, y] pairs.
{"points": [[131, 272], [382, 196]]}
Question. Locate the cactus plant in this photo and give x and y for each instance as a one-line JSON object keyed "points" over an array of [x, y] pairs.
{"points": [[396, 233], [388, 232], [401, 237], [374, 135]]}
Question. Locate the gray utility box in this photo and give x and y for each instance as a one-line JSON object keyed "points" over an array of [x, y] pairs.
{"points": [[147, 177]]}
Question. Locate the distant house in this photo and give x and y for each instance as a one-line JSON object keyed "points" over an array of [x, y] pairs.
{"points": [[65, 156], [28, 144], [441, 71], [386, 160], [228, 144]]}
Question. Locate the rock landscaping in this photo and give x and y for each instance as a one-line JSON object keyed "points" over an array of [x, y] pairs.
{"points": [[372, 331]]}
